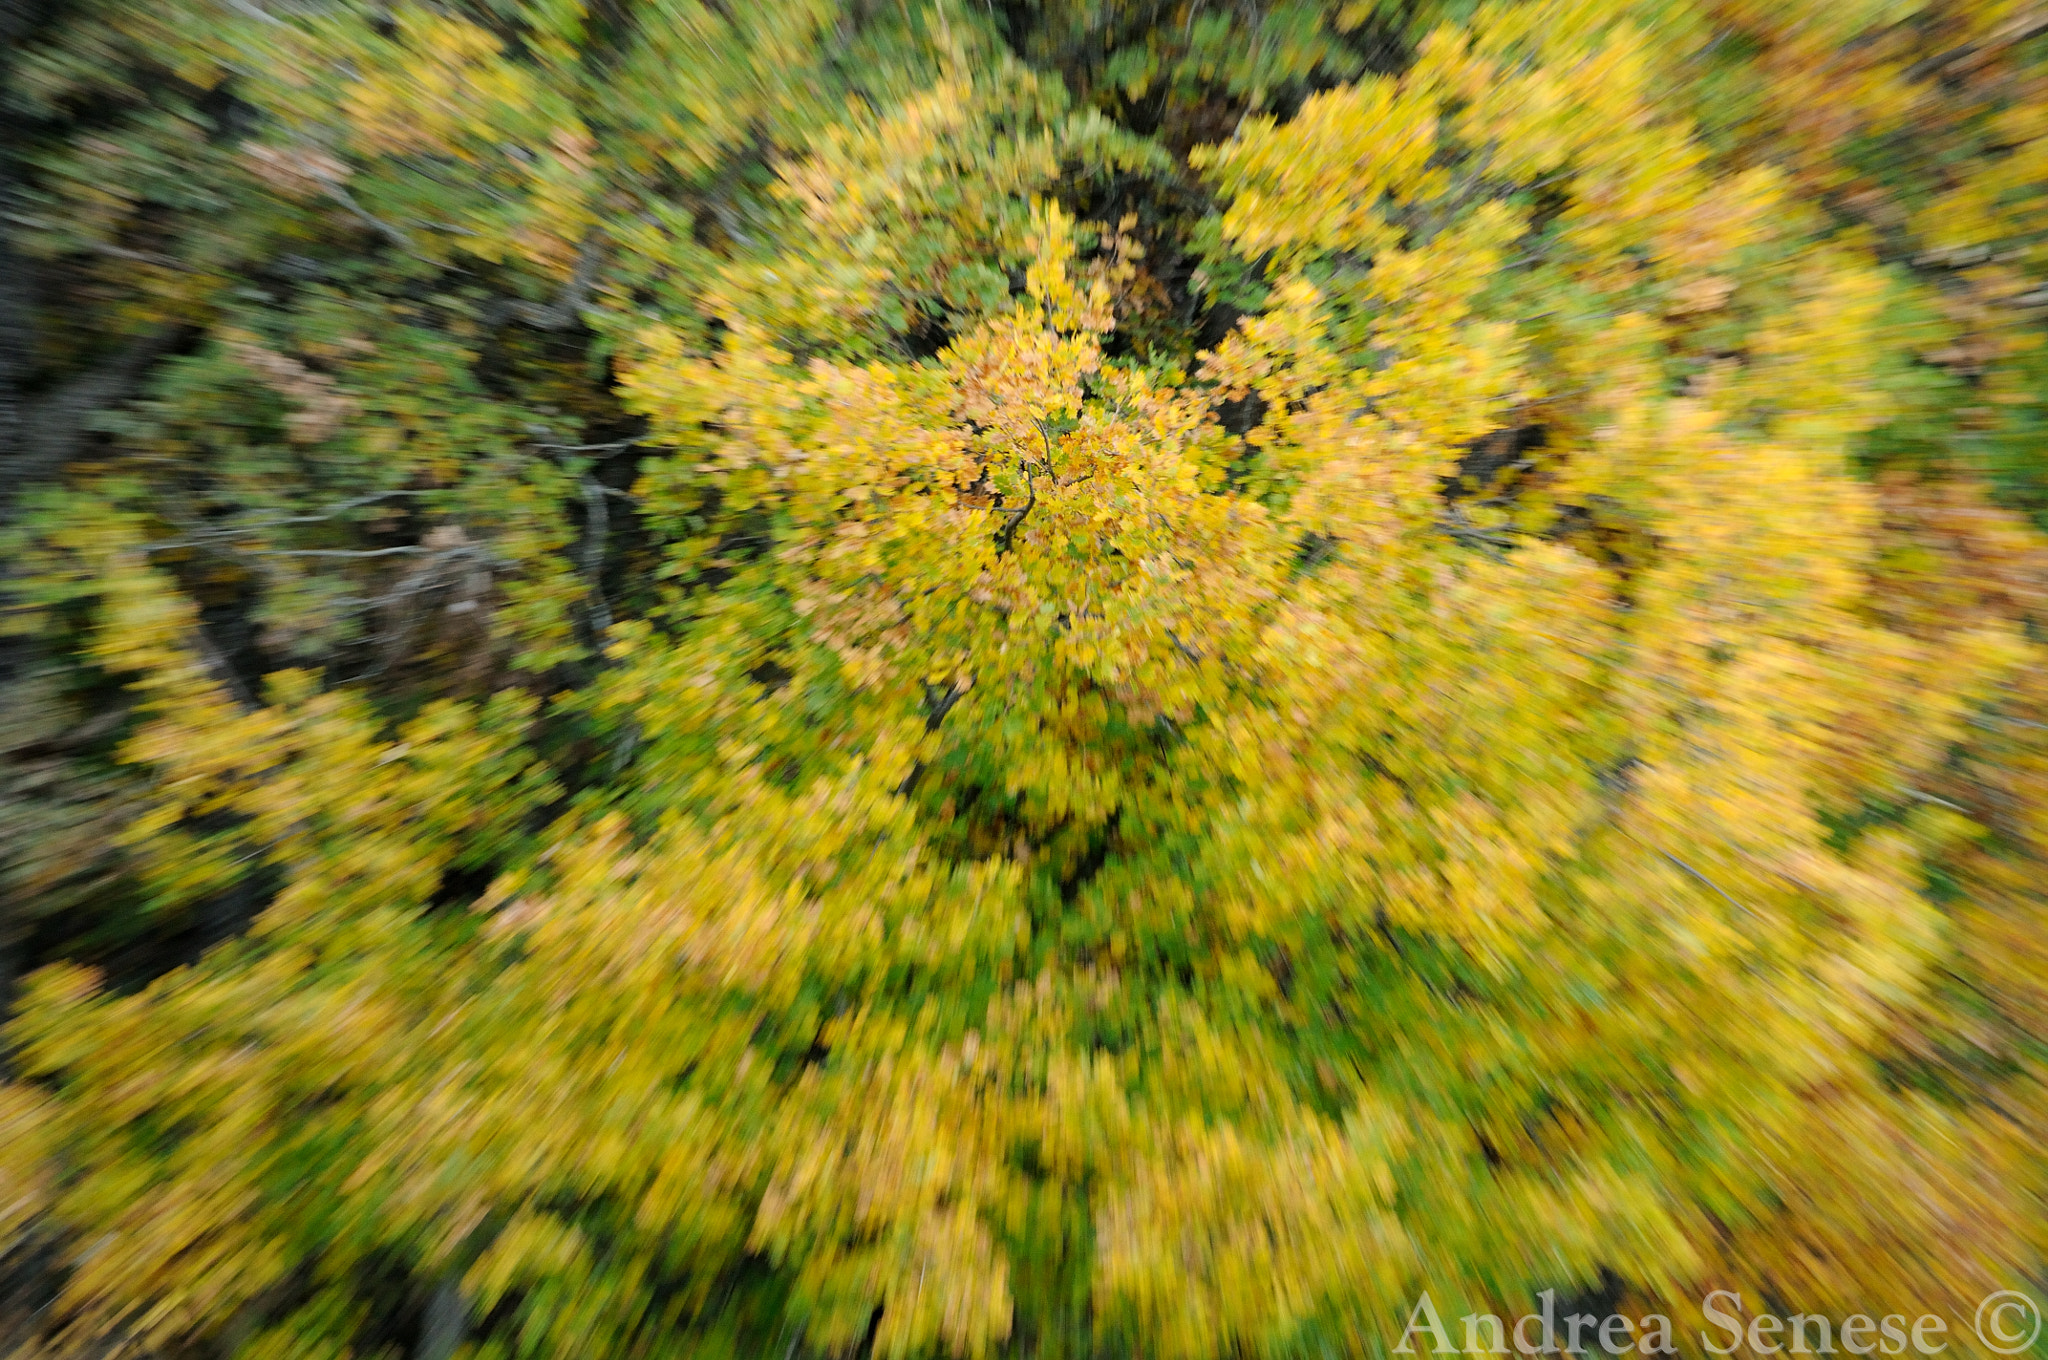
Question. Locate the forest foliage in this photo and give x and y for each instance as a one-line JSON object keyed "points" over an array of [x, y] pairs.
{"points": [[1078, 678]]}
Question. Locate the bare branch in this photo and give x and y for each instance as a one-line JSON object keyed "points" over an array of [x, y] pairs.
{"points": [[51, 430], [567, 309], [244, 7], [148, 257], [406, 550], [206, 538], [596, 522], [394, 234], [1708, 881], [615, 446], [1016, 517]]}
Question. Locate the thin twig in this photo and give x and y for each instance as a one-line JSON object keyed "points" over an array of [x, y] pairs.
{"points": [[597, 522], [615, 446], [148, 257], [1708, 881], [244, 7], [566, 309], [410, 549], [396, 235], [1919, 797]]}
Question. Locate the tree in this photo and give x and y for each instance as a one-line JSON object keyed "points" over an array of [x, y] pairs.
{"points": [[982, 807]]}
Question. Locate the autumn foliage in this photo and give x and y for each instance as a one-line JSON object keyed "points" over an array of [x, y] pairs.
{"points": [[819, 678]]}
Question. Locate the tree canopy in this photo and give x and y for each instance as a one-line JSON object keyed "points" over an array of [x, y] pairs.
{"points": [[830, 679]]}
